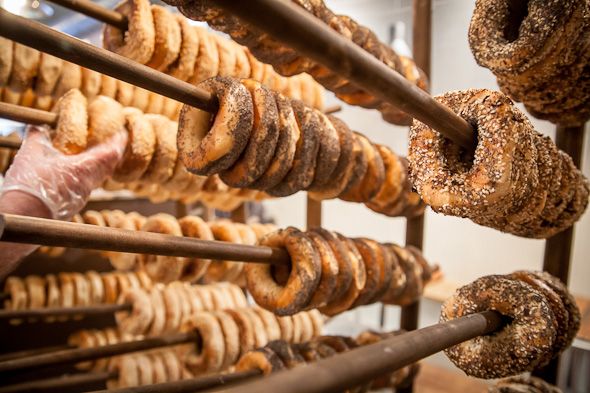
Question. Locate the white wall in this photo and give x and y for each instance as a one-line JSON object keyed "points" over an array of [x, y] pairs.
{"points": [[464, 250]]}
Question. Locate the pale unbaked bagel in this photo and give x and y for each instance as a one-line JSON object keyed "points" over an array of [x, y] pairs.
{"points": [[71, 131]]}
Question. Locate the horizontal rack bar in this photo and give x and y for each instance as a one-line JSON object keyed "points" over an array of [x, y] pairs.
{"points": [[97, 309], [76, 355], [33, 230], [363, 364], [60, 382], [95, 11]]}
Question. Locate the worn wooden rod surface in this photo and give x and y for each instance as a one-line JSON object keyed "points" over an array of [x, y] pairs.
{"points": [[48, 40], [352, 368], [95, 11], [62, 382], [82, 354], [311, 37], [32, 230], [96, 309], [27, 115]]}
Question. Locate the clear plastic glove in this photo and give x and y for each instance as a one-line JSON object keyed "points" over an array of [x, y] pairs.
{"points": [[62, 182]]}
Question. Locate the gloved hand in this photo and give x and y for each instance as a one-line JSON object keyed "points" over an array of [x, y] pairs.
{"points": [[62, 182]]}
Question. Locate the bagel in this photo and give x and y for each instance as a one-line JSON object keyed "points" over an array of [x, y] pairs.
{"points": [[172, 309], [90, 86], [105, 119], [227, 57], [328, 153], [373, 260], [231, 336], [263, 359], [138, 42], [168, 38], [413, 272], [287, 329], [139, 319], [183, 299], [125, 92], [158, 368], [6, 53], [155, 103], [260, 336], [162, 268], [50, 68], [118, 219], [286, 146], [302, 280], [254, 161], [140, 147], [243, 68], [127, 370], [193, 226], [146, 372], [161, 166], [390, 275], [307, 328], [224, 270], [83, 339], [25, 63], [247, 234], [97, 295], [108, 86], [207, 149], [70, 78], [520, 345], [206, 297], [301, 174], [211, 354], [358, 166], [70, 135], [35, 287], [81, 289], [271, 325], [184, 66], [53, 295], [329, 274], [372, 181], [111, 288], [286, 353], [317, 321], [207, 64], [140, 98], [395, 176], [67, 289], [172, 364], [158, 324]]}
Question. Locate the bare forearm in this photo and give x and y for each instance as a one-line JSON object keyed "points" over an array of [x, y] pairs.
{"points": [[16, 202]]}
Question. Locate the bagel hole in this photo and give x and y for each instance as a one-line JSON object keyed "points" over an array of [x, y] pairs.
{"points": [[459, 159], [506, 321], [518, 10], [280, 273]]}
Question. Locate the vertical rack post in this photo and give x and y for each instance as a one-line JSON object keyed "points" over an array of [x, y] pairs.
{"points": [[558, 248], [240, 214], [421, 44], [314, 213]]}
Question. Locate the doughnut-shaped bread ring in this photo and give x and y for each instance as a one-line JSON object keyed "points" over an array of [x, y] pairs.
{"points": [[105, 119], [207, 64], [167, 40], [286, 325], [193, 226], [68, 291], [284, 153], [263, 359], [224, 270], [245, 328], [392, 187], [25, 63], [140, 147], [70, 78], [139, 319], [6, 51], [255, 160], [271, 325], [90, 86], [163, 162], [371, 182], [138, 42], [260, 337], [207, 148], [328, 153], [48, 74], [211, 354], [159, 369], [242, 69], [111, 288], [35, 287], [286, 353], [227, 58], [81, 288], [71, 131], [520, 345], [374, 263], [344, 277], [19, 297], [157, 303], [329, 274], [303, 278], [184, 66], [96, 287], [162, 268], [231, 337], [301, 174], [118, 219], [173, 365], [172, 308], [413, 272]]}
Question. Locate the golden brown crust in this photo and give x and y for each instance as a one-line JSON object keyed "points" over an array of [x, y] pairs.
{"points": [[71, 131], [168, 38]]}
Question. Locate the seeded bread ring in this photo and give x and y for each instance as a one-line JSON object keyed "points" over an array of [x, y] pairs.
{"points": [[6, 52], [358, 166], [263, 359], [255, 160], [313, 351], [450, 184], [271, 325], [329, 274], [359, 278], [520, 345], [328, 153], [163, 162], [231, 336], [139, 319], [138, 42], [303, 278], [207, 148], [286, 146], [413, 272], [301, 174], [195, 227], [207, 64], [286, 353], [71, 131], [224, 270], [391, 274], [246, 329], [344, 277], [140, 147], [162, 268], [105, 119], [158, 325], [167, 40], [373, 179], [374, 262], [334, 186]]}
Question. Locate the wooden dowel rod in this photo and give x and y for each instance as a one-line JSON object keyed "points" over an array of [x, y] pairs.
{"points": [[360, 365], [332, 109], [188, 385], [27, 115], [311, 37], [82, 354], [97, 309], [32, 230], [95, 11], [64, 381], [9, 144], [45, 39], [34, 351]]}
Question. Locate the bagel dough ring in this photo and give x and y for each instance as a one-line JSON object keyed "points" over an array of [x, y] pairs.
{"points": [[157, 303], [48, 74], [395, 176], [96, 287], [329, 274], [374, 263], [307, 328], [224, 270], [90, 86], [260, 337], [207, 64], [328, 153], [303, 278], [413, 272], [70, 78], [173, 365], [172, 308], [371, 182], [140, 148], [242, 69], [184, 66], [317, 321], [227, 58], [231, 336], [520, 345], [271, 325], [138, 42], [358, 166], [263, 359], [25, 63], [301, 174], [210, 144], [162, 268], [245, 328], [118, 219], [286, 326], [255, 160], [146, 371], [139, 319], [82, 289], [161, 166], [35, 287], [195, 227], [158, 367], [105, 119], [285, 149], [167, 40], [6, 53], [389, 275], [286, 353], [111, 288], [71, 131]]}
